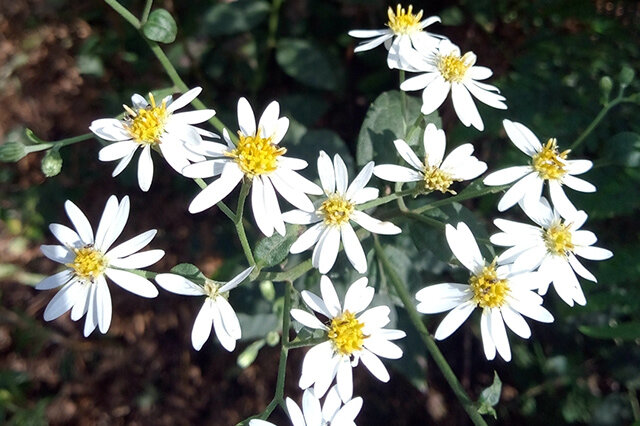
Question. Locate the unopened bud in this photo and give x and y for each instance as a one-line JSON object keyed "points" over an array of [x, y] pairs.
{"points": [[273, 338], [626, 76], [606, 84], [250, 354], [268, 290], [51, 163], [12, 152]]}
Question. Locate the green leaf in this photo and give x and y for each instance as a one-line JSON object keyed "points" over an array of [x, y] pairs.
{"points": [[308, 63], [309, 145], [189, 271], [388, 120], [275, 249], [490, 397], [256, 326], [160, 27], [624, 149], [235, 17], [624, 331]]}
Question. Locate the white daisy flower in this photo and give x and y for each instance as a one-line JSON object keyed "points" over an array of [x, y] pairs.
{"points": [[547, 164], [444, 71], [352, 337], [88, 259], [216, 312], [332, 413], [503, 296], [258, 158], [332, 217], [552, 246], [153, 126], [434, 174], [405, 30]]}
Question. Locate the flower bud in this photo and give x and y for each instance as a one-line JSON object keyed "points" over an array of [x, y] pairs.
{"points": [[606, 84], [273, 338], [268, 290], [51, 163], [626, 76], [250, 354], [12, 152]]}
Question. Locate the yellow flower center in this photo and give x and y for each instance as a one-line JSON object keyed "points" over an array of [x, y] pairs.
{"points": [[147, 124], [346, 333], [558, 239], [488, 290], [336, 210], [436, 180], [88, 264], [404, 22], [549, 163], [212, 289], [256, 155], [453, 68]]}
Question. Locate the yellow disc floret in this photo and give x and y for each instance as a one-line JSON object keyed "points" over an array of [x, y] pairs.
{"points": [[488, 290], [147, 124], [336, 210], [212, 289], [88, 264], [436, 179], [346, 333], [558, 239], [549, 163], [256, 155], [404, 22], [453, 68]]}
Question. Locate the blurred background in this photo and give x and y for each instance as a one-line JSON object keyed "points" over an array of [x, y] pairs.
{"points": [[65, 63]]}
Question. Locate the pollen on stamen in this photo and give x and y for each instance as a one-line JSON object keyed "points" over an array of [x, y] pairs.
{"points": [[549, 163], [256, 155], [345, 332], [88, 264], [436, 179], [558, 239], [453, 68], [404, 22], [489, 291], [146, 125], [336, 210]]}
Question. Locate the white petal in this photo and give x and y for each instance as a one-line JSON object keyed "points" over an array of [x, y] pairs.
{"points": [[138, 260], [332, 403], [217, 190], [122, 164], [306, 319], [442, 297], [81, 304], [508, 175], [464, 246], [365, 195], [375, 366], [518, 191], [108, 215], [523, 138], [179, 285], [344, 379], [91, 320], [485, 96], [347, 414], [291, 193], [296, 416], [110, 129], [312, 365], [62, 301], [237, 280], [375, 318], [368, 33], [203, 324], [117, 150], [67, 236], [291, 163], [300, 217], [326, 173], [407, 154], [419, 82], [315, 303], [132, 282], [103, 305], [580, 269], [465, 107], [115, 223], [499, 334], [205, 169], [434, 142], [326, 251], [578, 184], [454, 320], [353, 249], [515, 322], [358, 296], [229, 318], [342, 177], [55, 280], [259, 206], [131, 246], [194, 117], [434, 95], [311, 408], [382, 347], [268, 119], [394, 173], [330, 296], [480, 73], [308, 238], [145, 169], [297, 181], [560, 201], [184, 99], [593, 253], [272, 206], [246, 119], [174, 153], [374, 225], [282, 125], [80, 222], [58, 254], [487, 341], [360, 181], [577, 167]]}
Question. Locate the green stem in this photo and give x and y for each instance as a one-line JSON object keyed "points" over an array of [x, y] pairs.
{"points": [[244, 191], [42, 145], [386, 199], [307, 342], [618, 100], [424, 219], [289, 275], [428, 341], [124, 12], [465, 195], [146, 11]]}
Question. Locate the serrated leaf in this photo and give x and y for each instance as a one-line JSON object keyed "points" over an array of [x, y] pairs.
{"points": [[160, 27], [275, 249], [387, 120], [235, 17], [189, 271], [307, 63], [624, 331]]}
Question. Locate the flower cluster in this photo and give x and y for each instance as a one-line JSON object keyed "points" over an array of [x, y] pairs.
{"points": [[338, 215]]}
